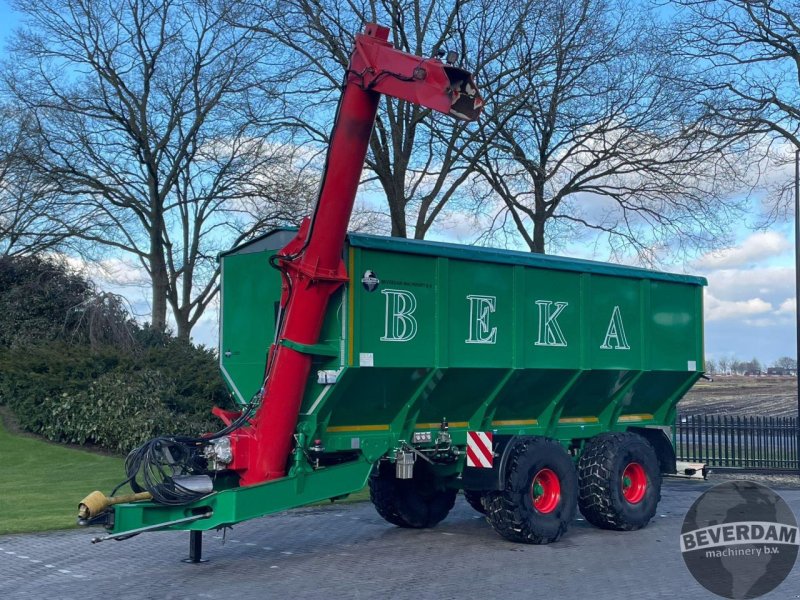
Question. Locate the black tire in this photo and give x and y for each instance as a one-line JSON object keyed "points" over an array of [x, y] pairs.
{"points": [[383, 493], [604, 498], [475, 500], [513, 512], [414, 503]]}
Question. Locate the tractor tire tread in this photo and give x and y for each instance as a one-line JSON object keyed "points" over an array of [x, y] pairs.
{"points": [[400, 502], [507, 516], [383, 494], [595, 473], [475, 500]]}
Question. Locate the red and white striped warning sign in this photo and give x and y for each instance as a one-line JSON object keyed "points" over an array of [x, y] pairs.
{"points": [[479, 449]]}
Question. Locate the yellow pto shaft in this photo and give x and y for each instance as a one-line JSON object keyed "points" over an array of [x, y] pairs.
{"points": [[97, 502]]}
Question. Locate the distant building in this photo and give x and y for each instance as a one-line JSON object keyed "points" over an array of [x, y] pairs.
{"points": [[753, 373], [781, 371]]}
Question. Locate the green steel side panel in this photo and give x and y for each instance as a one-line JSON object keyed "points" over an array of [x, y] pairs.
{"points": [[250, 293], [592, 392], [369, 397], [479, 316], [613, 310], [552, 333], [652, 391], [528, 395], [676, 327], [395, 324], [458, 394]]}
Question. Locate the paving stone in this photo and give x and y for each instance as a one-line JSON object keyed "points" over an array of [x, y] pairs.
{"points": [[348, 551]]}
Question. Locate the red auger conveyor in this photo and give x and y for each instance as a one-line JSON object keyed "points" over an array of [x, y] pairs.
{"points": [[312, 263]]}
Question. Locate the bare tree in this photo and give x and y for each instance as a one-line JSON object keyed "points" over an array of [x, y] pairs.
{"points": [[26, 204], [743, 62], [420, 162], [592, 137], [149, 117], [747, 57]]}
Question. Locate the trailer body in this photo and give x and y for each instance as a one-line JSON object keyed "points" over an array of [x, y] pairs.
{"points": [[487, 339]]}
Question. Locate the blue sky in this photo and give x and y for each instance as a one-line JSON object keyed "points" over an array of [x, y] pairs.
{"points": [[8, 20], [749, 301]]}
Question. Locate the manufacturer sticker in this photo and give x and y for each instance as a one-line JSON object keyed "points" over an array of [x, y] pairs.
{"points": [[370, 281]]}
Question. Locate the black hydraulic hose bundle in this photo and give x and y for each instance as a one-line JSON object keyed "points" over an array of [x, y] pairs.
{"points": [[156, 465]]}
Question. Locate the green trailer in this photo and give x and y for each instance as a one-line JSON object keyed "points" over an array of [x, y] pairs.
{"points": [[443, 367], [536, 384]]}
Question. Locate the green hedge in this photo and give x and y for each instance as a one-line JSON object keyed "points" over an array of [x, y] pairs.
{"points": [[192, 370], [74, 367], [33, 378], [68, 393], [120, 411]]}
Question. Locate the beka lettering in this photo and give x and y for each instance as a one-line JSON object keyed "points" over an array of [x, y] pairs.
{"points": [[400, 323]]}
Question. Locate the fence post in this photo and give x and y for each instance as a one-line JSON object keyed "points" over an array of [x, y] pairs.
{"points": [[723, 440]]}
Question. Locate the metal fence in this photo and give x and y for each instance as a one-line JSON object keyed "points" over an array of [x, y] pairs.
{"points": [[743, 442]]}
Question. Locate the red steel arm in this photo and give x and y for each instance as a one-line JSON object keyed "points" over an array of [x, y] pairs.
{"points": [[312, 262]]}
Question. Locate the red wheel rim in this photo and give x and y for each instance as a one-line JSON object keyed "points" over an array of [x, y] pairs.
{"points": [[634, 483], [545, 491]]}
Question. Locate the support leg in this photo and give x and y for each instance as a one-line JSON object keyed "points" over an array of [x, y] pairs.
{"points": [[195, 548]]}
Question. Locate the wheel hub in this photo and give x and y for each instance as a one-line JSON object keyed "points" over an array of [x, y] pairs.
{"points": [[634, 483], [545, 491]]}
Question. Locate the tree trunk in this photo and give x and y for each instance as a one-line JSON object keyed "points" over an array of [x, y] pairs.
{"points": [[158, 274], [397, 212], [182, 326], [160, 287], [537, 244], [539, 212]]}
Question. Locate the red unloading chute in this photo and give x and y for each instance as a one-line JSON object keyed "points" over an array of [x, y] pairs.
{"points": [[311, 263]]}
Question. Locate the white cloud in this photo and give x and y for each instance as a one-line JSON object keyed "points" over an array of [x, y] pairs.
{"points": [[718, 310], [757, 247], [787, 307], [765, 322], [777, 283]]}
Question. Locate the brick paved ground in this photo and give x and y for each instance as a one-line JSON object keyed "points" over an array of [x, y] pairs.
{"points": [[348, 551]]}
